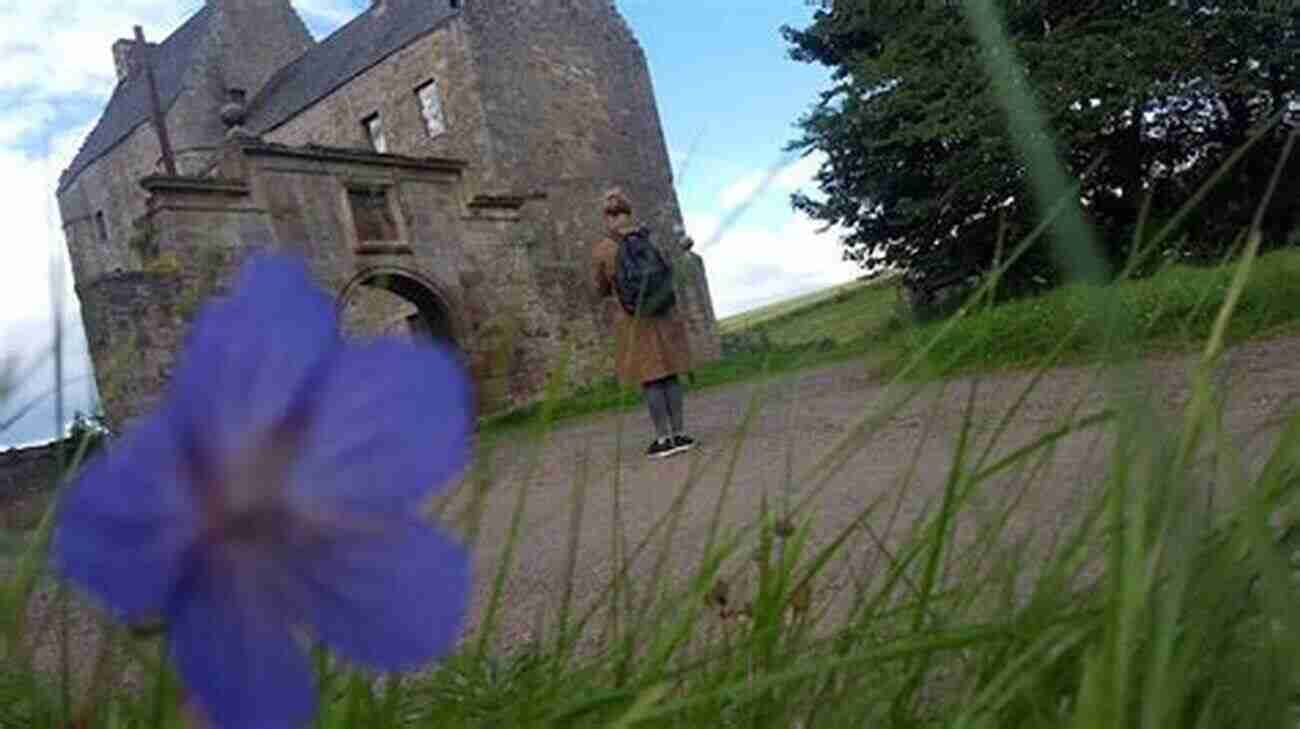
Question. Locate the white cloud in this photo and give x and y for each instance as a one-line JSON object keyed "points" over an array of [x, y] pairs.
{"points": [[801, 174], [34, 233], [64, 48], [758, 184], [757, 248], [35, 274], [750, 265], [24, 120], [333, 13], [701, 226], [741, 191]]}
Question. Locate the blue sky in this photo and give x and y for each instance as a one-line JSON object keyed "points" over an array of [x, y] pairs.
{"points": [[728, 97]]}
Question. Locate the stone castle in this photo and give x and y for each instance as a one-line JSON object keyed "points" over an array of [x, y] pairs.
{"points": [[439, 163]]}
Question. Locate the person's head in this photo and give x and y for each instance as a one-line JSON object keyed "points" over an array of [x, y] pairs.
{"points": [[615, 203]]}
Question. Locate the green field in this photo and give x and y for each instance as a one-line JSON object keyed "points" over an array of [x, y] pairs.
{"points": [[802, 303], [841, 313], [1173, 310]]}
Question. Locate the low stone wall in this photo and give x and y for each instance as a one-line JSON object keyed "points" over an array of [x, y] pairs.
{"points": [[28, 477]]}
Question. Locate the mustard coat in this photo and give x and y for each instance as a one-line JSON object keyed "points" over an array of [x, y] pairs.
{"points": [[645, 348]]}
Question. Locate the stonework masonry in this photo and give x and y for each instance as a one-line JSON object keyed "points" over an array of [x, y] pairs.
{"points": [[477, 231], [28, 477], [570, 109]]}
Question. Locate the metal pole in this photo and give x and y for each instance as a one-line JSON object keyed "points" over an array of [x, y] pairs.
{"points": [[159, 122]]}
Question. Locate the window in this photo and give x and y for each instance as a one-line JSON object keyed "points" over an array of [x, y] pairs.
{"points": [[101, 227], [375, 133], [372, 215], [431, 107]]}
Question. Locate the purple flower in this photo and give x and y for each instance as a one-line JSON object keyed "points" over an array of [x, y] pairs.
{"points": [[276, 493]]}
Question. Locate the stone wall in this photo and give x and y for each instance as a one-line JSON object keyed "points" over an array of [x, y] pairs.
{"points": [[134, 322], [110, 186], [462, 264], [254, 39], [388, 89], [569, 109], [28, 477]]}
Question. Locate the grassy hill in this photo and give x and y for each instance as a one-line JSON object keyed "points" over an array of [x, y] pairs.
{"points": [[1173, 310], [841, 313]]}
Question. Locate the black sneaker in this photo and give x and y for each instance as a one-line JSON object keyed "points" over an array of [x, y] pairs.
{"points": [[682, 443], [660, 448]]}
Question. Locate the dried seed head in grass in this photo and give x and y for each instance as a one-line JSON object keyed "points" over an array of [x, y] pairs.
{"points": [[801, 599], [784, 528], [746, 613], [718, 595]]}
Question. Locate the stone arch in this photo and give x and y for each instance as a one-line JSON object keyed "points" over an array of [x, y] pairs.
{"points": [[428, 310]]}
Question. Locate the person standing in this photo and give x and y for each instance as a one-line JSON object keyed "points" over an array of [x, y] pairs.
{"points": [[651, 349]]}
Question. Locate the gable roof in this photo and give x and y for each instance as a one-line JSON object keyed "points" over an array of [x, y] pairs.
{"points": [[368, 39], [129, 106]]}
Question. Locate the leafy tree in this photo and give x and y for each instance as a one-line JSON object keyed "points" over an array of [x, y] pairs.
{"points": [[1147, 98]]}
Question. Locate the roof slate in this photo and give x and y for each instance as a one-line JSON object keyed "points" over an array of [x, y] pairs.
{"points": [[368, 39], [129, 106]]}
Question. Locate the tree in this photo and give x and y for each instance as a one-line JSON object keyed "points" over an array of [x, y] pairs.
{"points": [[1145, 98]]}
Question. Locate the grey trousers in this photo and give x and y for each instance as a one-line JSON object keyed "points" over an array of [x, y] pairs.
{"points": [[664, 398]]}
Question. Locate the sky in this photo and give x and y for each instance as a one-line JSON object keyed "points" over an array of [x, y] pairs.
{"points": [[728, 97]]}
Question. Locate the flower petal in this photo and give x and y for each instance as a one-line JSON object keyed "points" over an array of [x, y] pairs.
{"points": [[124, 527], [390, 600], [249, 360], [233, 647], [393, 424]]}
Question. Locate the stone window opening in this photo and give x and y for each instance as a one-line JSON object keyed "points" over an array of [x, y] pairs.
{"points": [[435, 120], [374, 128], [101, 227], [372, 215]]}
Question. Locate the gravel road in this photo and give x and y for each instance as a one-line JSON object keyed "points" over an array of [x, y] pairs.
{"points": [[786, 427]]}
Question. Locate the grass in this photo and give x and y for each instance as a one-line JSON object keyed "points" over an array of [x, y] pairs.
{"points": [[854, 303], [843, 315], [1173, 311], [1164, 601]]}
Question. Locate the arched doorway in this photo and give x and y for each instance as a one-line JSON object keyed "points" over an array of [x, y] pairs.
{"points": [[395, 302]]}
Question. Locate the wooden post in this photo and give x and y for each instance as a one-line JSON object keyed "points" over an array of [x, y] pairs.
{"points": [[159, 121]]}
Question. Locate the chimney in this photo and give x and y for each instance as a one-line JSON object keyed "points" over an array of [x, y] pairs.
{"points": [[124, 57]]}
